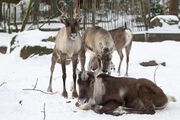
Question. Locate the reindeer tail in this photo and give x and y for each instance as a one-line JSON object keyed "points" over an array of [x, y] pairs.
{"points": [[171, 99]]}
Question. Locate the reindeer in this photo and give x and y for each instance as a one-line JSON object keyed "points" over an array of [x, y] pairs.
{"points": [[119, 95], [93, 64], [100, 42], [122, 39], [68, 44]]}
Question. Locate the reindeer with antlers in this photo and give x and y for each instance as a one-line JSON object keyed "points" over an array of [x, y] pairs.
{"points": [[67, 45]]}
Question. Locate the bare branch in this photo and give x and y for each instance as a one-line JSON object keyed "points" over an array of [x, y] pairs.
{"points": [[44, 111], [34, 89], [41, 91], [35, 84], [155, 73], [2, 84]]}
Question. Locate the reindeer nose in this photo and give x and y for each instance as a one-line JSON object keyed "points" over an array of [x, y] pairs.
{"points": [[73, 34], [104, 70]]}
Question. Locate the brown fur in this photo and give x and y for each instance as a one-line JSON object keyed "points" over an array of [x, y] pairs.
{"points": [[99, 41], [139, 96], [121, 41], [93, 64]]}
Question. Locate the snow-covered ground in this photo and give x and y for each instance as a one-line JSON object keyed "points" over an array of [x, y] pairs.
{"points": [[18, 74]]}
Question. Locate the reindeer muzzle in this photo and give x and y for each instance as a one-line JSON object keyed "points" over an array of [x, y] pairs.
{"points": [[81, 101], [73, 36]]}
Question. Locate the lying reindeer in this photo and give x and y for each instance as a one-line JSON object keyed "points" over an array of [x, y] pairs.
{"points": [[68, 44], [119, 95], [100, 42]]}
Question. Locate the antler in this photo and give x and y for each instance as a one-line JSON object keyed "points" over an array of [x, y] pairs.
{"points": [[76, 12], [62, 10]]}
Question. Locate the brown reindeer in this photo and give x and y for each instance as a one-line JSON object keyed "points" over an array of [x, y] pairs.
{"points": [[93, 64], [122, 39], [100, 42], [119, 95], [68, 44]]}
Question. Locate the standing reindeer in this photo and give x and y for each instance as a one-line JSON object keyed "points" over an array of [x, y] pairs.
{"points": [[100, 42], [122, 39], [67, 45]]}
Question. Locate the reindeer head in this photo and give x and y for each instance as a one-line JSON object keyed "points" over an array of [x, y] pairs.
{"points": [[105, 58], [72, 24], [85, 81]]}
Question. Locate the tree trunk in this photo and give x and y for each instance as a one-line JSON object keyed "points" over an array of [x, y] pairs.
{"points": [[15, 19], [173, 8], [4, 9], [9, 16], [26, 16], [36, 12], [85, 15], [1, 18], [93, 12]]}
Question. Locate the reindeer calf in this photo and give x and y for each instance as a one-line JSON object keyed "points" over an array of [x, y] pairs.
{"points": [[119, 95]]}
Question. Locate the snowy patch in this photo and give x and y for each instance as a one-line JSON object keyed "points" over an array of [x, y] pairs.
{"points": [[19, 74]]}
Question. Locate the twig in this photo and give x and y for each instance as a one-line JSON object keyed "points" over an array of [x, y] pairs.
{"points": [[155, 73], [44, 111], [35, 84], [2, 84], [34, 89], [40, 91]]}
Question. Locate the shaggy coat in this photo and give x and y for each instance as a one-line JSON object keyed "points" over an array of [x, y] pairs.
{"points": [[119, 95]]}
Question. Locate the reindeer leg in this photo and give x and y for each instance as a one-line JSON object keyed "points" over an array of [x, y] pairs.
{"points": [[121, 58], [74, 62], [128, 49], [82, 58], [63, 64], [145, 95], [107, 108], [54, 59]]}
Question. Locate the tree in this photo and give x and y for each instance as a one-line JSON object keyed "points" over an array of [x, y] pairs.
{"points": [[156, 8], [26, 16], [173, 8], [1, 19]]}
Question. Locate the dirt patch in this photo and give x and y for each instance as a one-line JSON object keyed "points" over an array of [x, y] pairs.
{"points": [[29, 51], [152, 63], [3, 49]]}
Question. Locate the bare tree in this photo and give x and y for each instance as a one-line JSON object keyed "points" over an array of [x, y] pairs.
{"points": [[1, 19], [173, 8], [26, 16]]}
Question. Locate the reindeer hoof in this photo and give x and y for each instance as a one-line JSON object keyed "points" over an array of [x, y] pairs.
{"points": [[126, 75], [119, 111], [64, 94], [74, 94], [98, 109], [49, 89]]}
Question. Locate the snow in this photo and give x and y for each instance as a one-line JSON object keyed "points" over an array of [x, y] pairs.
{"points": [[22, 74], [166, 28], [166, 18]]}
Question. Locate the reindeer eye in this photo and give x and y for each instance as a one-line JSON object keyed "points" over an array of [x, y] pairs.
{"points": [[76, 23]]}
